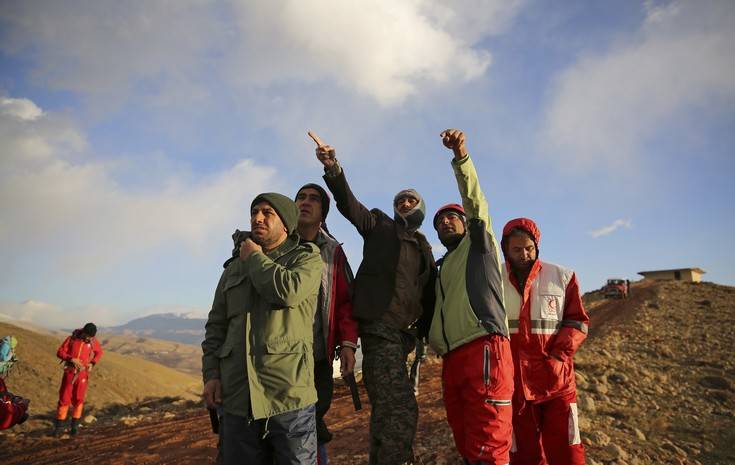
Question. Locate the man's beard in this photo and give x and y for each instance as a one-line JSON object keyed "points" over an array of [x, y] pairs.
{"points": [[451, 240], [521, 267], [265, 241]]}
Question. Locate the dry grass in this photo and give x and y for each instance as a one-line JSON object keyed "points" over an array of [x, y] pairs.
{"points": [[117, 379]]}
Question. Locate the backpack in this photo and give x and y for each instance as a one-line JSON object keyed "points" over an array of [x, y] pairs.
{"points": [[7, 354]]}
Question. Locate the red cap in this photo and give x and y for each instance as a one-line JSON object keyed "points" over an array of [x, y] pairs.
{"points": [[450, 206]]}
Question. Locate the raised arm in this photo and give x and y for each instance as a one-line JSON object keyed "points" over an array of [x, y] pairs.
{"points": [[473, 200], [347, 204]]}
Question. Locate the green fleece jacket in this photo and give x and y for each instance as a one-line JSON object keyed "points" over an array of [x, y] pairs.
{"points": [[258, 337], [469, 288]]}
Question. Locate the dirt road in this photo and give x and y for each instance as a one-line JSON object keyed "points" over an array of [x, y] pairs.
{"points": [[187, 438]]}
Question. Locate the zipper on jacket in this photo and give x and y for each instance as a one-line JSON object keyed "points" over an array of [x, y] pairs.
{"points": [[486, 365], [444, 331]]}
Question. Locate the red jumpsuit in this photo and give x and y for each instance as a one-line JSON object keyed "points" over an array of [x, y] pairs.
{"points": [[547, 324], [12, 408], [74, 381]]}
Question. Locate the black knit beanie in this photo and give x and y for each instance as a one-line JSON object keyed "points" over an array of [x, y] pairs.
{"points": [[322, 193], [285, 207], [90, 329]]}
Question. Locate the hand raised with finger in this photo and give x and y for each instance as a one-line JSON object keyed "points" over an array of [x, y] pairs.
{"points": [[454, 139], [324, 153]]}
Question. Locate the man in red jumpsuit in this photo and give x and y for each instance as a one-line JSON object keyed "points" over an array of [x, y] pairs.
{"points": [[80, 353], [547, 323]]}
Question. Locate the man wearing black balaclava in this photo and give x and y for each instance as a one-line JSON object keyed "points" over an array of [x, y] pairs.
{"points": [[393, 303]]}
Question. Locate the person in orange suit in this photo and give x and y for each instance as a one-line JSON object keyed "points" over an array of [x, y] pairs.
{"points": [[80, 352]]}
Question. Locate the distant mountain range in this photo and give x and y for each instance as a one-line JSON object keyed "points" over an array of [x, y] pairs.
{"points": [[175, 327]]}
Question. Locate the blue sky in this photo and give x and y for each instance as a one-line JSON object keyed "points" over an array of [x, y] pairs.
{"points": [[136, 134]]}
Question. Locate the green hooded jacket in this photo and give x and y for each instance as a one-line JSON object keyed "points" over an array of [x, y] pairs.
{"points": [[469, 288], [258, 337]]}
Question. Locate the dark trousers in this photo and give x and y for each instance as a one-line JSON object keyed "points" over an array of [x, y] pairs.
{"points": [[394, 411], [285, 439], [324, 390]]}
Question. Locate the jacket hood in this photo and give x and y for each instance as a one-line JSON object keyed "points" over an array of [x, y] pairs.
{"points": [[525, 224], [413, 219]]}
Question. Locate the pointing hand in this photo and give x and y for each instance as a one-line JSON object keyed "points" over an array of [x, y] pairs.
{"points": [[325, 153]]}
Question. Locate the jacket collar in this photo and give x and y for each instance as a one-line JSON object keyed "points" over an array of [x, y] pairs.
{"points": [[532, 275], [287, 246]]}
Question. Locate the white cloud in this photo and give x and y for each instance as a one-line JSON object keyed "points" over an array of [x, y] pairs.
{"points": [[605, 106], [20, 108], [50, 316], [169, 51], [58, 202], [611, 228], [107, 49], [382, 49]]}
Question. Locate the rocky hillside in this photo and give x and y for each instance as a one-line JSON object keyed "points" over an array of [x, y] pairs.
{"points": [[656, 386], [657, 376], [180, 356], [117, 379]]}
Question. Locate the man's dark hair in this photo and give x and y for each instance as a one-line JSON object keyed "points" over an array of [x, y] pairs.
{"points": [[90, 329]]}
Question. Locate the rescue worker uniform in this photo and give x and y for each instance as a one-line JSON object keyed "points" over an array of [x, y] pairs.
{"points": [[547, 324], [75, 381], [470, 331]]}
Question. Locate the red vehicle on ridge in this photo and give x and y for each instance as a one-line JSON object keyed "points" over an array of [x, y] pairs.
{"points": [[616, 288]]}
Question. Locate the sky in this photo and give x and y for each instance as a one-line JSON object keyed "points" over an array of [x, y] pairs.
{"points": [[134, 135]]}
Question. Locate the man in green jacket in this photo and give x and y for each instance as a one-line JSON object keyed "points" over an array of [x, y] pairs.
{"points": [[470, 327], [258, 362]]}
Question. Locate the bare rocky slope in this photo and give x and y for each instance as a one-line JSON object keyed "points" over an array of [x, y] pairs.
{"points": [[656, 386]]}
